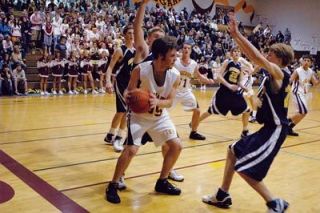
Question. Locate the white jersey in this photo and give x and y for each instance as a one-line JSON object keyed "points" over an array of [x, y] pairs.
{"points": [[303, 83], [162, 92], [186, 73]]}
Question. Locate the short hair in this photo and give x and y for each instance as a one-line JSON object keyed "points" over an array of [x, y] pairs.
{"points": [[234, 49], [308, 56], [155, 29], [161, 46], [284, 52], [127, 28]]}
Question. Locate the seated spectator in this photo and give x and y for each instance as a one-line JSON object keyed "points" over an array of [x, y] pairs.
{"points": [[20, 80], [6, 81], [16, 57]]}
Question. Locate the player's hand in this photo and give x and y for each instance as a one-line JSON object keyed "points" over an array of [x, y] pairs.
{"points": [[233, 25], [210, 81], [233, 87], [154, 101], [109, 87]]}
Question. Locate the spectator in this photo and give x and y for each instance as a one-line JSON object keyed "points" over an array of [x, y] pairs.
{"points": [[287, 36], [6, 79], [16, 57], [36, 21], [280, 37], [47, 38], [25, 34], [20, 80]]}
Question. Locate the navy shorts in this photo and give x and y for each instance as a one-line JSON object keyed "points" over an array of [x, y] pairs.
{"points": [[225, 101], [120, 101], [255, 153]]}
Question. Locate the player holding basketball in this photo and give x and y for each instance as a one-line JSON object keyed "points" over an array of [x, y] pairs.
{"points": [[144, 54], [252, 156], [161, 79], [189, 68], [301, 78]]}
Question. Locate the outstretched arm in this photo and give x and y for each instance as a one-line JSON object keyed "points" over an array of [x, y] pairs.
{"points": [[140, 44], [252, 53]]}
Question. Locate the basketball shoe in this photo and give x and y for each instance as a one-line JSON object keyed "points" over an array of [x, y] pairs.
{"points": [[164, 186], [277, 206], [221, 199]]}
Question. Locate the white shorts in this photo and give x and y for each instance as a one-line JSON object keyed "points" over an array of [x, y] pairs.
{"points": [[187, 99], [300, 103], [161, 130]]}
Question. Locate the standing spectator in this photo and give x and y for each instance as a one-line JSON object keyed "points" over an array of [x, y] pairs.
{"points": [[47, 38], [279, 37], [25, 35], [20, 80], [287, 36], [56, 24], [16, 29], [36, 21], [7, 46]]}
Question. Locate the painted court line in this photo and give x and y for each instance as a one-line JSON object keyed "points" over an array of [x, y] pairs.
{"points": [[48, 192]]}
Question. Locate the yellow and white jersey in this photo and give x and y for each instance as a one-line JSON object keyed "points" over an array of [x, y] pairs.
{"points": [[303, 83], [186, 73], [148, 83]]}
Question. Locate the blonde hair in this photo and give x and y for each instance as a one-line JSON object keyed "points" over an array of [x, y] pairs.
{"points": [[284, 52]]}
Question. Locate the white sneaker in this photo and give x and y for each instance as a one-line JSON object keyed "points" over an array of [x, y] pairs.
{"points": [[75, 92], [102, 91], [54, 92], [118, 144], [94, 92], [173, 175], [121, 184], [46, 93], [60, 92], [85, 91], [70, 92], [41, 93]]}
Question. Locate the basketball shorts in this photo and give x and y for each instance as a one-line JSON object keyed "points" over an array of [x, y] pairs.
{"points": [[255, 153], [187, 99], [300, 103], [121, 105], [161, 130], [224, 101]]}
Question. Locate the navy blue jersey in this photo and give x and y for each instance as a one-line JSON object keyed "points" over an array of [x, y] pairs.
{"points": [[232, 74], [274, 109], [148, 58], [125, 66]]}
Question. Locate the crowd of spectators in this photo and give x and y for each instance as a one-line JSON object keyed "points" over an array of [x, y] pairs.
{"points": [[90, 31]]}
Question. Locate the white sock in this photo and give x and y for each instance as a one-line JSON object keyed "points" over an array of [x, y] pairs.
{"points": [[112, 131], [122, 133], [254, 113]]}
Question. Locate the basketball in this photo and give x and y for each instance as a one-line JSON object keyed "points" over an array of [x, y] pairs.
{"points": [[138, 101]]}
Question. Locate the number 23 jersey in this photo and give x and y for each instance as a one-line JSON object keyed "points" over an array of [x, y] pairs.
{"points": [[147, 82]]}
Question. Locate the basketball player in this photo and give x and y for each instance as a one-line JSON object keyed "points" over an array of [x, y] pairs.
{"points": [[301, 78], [123, 58], [229, 97], [252, 156], [161, 79], [189, 68], [144, 54]]}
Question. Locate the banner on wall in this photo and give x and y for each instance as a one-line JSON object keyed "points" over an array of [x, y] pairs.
{"points": [[240, 5]]}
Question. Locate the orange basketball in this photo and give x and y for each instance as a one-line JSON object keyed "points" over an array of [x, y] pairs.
{"points": [[139, 101]]}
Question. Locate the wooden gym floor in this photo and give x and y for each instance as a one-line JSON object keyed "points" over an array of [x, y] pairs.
{"points": [[53, 159]]}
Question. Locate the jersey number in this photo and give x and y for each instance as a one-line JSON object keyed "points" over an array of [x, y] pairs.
{"points": [[233, 77], [156, 111], [183, 82]]}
